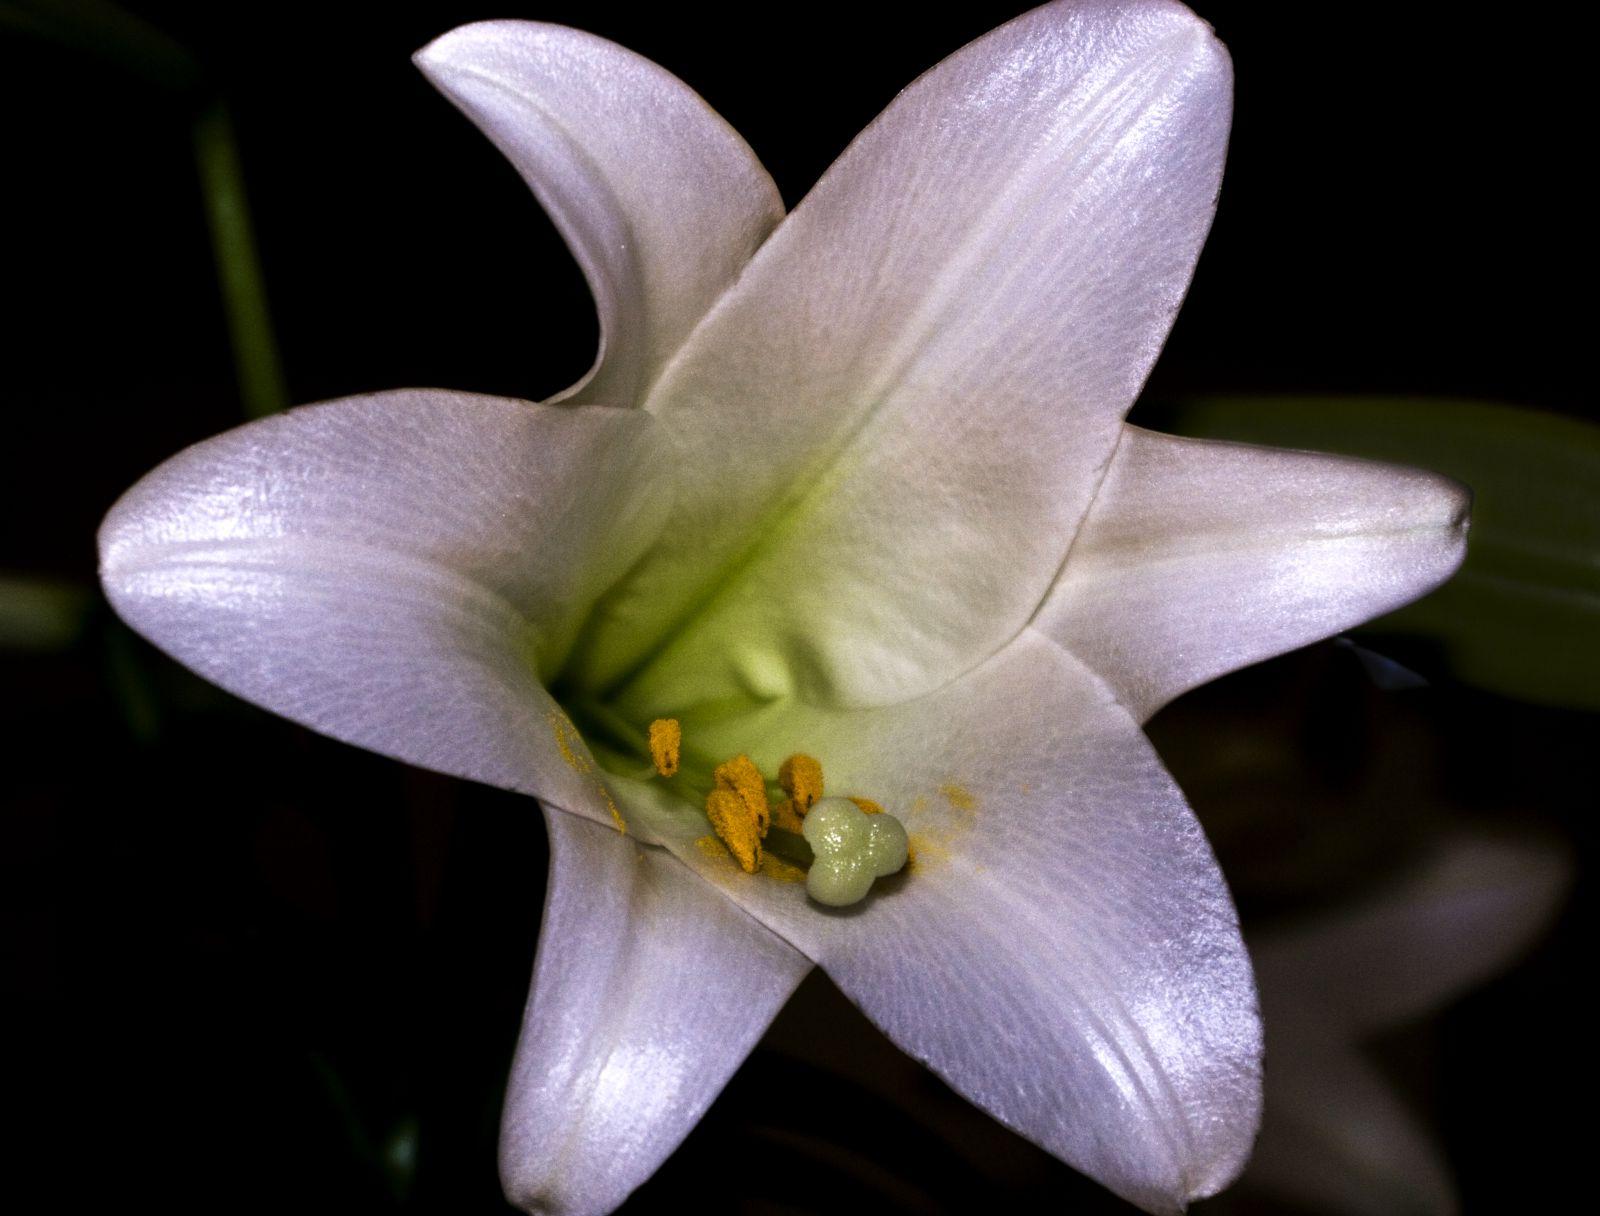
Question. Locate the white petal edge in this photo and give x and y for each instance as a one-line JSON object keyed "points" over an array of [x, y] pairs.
{"points": [[393, 570], [1199, 557], [1064, 952], [916, 382], [649, 990], [658, 198]]}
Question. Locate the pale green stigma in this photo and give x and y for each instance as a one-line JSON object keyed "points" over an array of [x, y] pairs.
{"points": [[852, 849]]}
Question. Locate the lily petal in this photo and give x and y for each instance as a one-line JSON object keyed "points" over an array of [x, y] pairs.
{"points": [[649, 991], [1466, 914], [893, 423], [1337, 1137], [659, 200], [395, 571], [1064, 951], [1200, 557]]}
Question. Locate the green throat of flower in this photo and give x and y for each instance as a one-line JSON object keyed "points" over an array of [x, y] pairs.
{"points": [[786, 830]]}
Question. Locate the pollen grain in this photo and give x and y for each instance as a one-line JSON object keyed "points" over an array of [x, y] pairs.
{"points": [[666, 740], [743, 779], [738, 829], [801, 778]]}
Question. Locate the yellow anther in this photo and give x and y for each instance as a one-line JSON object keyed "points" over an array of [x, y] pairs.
{"points": [[731, 818], [786, 817], [742, 778], [868, 806], [801, 778], [666, 737]]}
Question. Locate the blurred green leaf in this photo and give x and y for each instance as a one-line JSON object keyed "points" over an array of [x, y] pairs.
{"points": [[400, 1156], [41, 613], [1522, 617], [102, 29]]}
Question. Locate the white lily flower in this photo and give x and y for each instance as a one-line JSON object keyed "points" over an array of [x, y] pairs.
{"points": [[854, 484], [1337, 1138]]}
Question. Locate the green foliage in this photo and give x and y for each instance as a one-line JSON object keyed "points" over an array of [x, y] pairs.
{"points": [[1522, 617]]}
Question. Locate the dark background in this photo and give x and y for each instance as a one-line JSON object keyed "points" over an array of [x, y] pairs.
{"points": [[251, 968]]}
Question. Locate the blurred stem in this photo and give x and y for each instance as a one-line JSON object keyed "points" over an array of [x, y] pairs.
{"points": [[130, 684], [244, 297]]}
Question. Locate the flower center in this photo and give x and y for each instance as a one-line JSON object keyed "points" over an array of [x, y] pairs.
{"points": [[844, 844]]}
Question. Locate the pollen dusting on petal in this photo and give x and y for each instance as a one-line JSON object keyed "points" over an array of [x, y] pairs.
{"points": [[740, 830], [713, 848], [868, 806], [773, 866], [923, 851], [611, 805], [801, 778], [742, 778], [566, 735], [786, 817], [666, 738], [959, 796], [565, 732]]}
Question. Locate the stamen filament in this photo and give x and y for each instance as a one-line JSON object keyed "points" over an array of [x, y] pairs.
{"points": [[790, 846]]}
